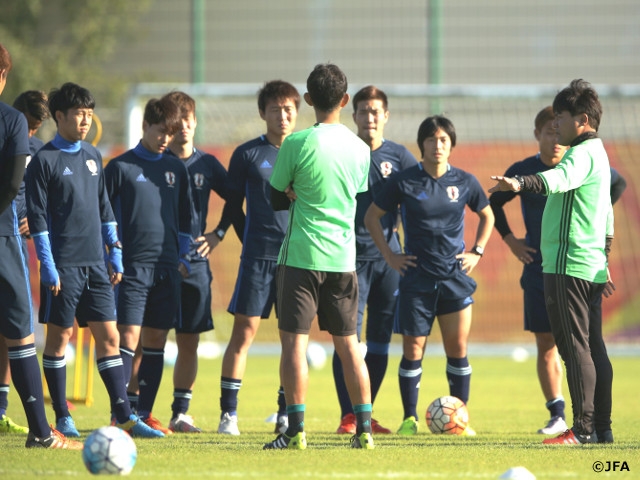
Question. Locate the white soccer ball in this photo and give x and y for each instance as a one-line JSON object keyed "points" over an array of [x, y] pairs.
{"points": [[316, 355], [519, 354], [109, 450]]}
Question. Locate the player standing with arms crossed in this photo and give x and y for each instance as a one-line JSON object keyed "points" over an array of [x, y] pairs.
{"points": [[577, 231], [324, 167], [261, 231], [71, 221], [527, 250], [435, 267], [150, 194], [377, 281]]}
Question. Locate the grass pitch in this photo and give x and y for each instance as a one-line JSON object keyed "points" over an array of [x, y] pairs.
{"points": [[506, 409]]}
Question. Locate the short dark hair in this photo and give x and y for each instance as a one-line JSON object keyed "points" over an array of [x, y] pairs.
{"points": [[579, 97], [5, 59], [370, 92], [277, 90], [69, 95], [326, 85], [430, 126], [543, 117], [163, 110], [33, 102], [185, 102]]}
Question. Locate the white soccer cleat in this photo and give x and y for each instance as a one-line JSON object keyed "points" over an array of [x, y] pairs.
{"points": [[555, 426], [183, 424], [228, 424]]}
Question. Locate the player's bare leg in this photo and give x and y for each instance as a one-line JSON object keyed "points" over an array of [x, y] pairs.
{"points": [[455, 328], [234, 364], [184, 377], [549, 371]]}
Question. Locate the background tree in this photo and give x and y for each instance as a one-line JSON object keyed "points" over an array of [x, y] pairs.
{"points": [[55, 41]]}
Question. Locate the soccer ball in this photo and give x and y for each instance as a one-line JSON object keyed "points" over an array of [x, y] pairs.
{"points": [[447, 415], [109, 450], [316, 355]]}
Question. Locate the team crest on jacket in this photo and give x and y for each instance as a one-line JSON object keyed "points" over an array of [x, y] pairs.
{"points": [[198, 180], [92, 166], [453, 193], [386, 169], [170, 177]]}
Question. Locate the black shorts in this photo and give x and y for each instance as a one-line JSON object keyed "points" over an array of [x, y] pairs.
{"points": [[85, 294], [255, 290], [16, 313], [536, 319], [422, 298], [302, 294], [378, 294], [150, 297], [196, 300]]}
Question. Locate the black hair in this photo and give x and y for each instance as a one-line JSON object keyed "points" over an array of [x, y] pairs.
{"points": [[69, 95], [579, 97], [277, 90], [326, 85], [430, 126]]}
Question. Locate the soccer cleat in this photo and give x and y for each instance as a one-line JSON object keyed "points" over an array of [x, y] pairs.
{"points": [[555, 426], [297, 442], [183, 424], [605, 436], [409, 426], [282, 424], [377, 428], [67, 427], [54, 440], [468, 432], [364, 440], [228, 424], [569, 437], [347, 425], [138, 429], [9, 426], [154, 423]]}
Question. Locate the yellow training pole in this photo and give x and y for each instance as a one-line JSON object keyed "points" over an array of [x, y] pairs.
{"points": [[88, 398]]}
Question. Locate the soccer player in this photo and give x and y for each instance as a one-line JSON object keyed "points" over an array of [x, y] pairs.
{"points": [[149, 191], [527, 250], [33, 104], [71, 221], [261, 231], [576, 236], [16, 325], [377, 281], [206, 174], [436, 265], [323, 168]]}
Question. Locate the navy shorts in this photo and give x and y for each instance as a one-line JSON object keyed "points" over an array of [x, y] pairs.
{"points": [[196, 300], [255, 291], [422, 298], [536, 319], [333, 296], [86, 295], [378, 293], [16, 314], [150, 297]]}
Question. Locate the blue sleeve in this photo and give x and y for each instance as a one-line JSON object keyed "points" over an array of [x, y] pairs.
{"points": [[477, 198]]}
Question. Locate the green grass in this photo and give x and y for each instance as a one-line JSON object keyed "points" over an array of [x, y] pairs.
{"points": [[505, 408]]}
